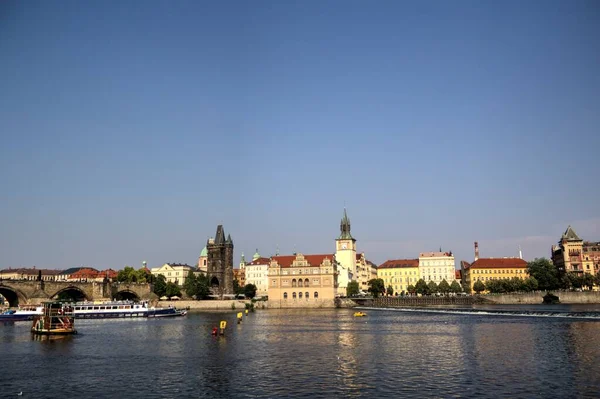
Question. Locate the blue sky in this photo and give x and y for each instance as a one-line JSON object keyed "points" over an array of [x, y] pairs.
{"points": [[131, 129]]}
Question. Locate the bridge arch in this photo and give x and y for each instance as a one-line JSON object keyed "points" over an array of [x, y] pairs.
{"points": [[72, 293], [13, 295], [127, 295]]}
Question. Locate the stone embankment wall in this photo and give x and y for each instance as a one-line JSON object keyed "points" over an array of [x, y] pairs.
{"points": [[205, 305], [534, 298]]}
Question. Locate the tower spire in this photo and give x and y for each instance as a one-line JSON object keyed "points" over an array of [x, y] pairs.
{"points": [[345, 227]]}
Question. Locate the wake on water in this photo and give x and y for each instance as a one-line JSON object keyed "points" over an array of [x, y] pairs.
{"points": [[487, 312]]}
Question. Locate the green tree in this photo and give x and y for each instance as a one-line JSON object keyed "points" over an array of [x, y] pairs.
{"points": [[495, 286], [444, 287], [250, 291], [411, 289], [530, 284], [190, 285], [160, 285], [352, 289], [127, 275], [376, 287], [544, 272], [237, 290], [172, 289], [432, 287], [455, 287], [588, 281], [389, 290], [478, 287], [202, 287], [143, 275], [421, 287], [466, 287]]}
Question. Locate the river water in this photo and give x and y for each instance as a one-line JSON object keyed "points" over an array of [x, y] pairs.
{"points": [[311, 353]]}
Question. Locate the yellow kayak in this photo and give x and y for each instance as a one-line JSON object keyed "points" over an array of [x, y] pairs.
{"points": [[359, 314]]}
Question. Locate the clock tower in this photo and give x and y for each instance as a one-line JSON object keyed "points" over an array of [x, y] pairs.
{"points": [[345, 255]]}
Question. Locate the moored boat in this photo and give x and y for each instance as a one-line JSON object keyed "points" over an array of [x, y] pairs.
{"points": [[359, 314], [122, 309], [56, 319], [23, 313]]}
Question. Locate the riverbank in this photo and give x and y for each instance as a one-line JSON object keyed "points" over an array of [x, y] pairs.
{"points": [[206, 305], [534, 298]]}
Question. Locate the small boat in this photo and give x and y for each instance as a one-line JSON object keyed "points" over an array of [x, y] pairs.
{"points": [[23, 313], [56, 319], [165, 312], [359, 314]]}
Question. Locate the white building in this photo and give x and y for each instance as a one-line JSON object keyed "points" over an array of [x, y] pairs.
{"points": [[257, 273], [345, 256], [436, 267]]}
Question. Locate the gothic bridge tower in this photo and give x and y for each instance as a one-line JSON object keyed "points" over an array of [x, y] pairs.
{"points": [[220, 263], [345, 255]]}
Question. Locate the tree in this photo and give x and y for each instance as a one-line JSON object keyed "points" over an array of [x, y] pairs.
{"points": [[190, 285], [411, 289], [432, 287], [421, 287], [376, 287], [389, 290], [455, 287], [172, 289], [143, 275], [250, 291], [160, 285], [544, 272], [444, 287], [466, 287], [352, 289], [478, 287], [588, 281], [237, 290], [530, 284], [127, 275]]}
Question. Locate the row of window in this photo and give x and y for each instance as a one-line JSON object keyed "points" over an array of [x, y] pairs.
{"points": [[487, 278], [299, 295], [497, 271]]}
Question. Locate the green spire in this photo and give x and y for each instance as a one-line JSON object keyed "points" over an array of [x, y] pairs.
{"points": [[345, 228], [256, 255]]}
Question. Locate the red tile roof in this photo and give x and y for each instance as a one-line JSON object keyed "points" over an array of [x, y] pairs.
{"points": [[457, 274], [398, 263], [260, 261], [313, 260], [498, 263]]}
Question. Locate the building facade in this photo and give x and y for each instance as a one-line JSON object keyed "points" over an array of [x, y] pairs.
{"points": [[567, 255], [257, 273], [399, 274], [29, 274], [345, 256], [173, 272], [220, 263], [437, 267], [365, 271], [302, 281], [486, 269], [591, 257]]}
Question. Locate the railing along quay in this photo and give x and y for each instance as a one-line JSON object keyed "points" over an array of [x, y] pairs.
{"points": [[398, 302]]}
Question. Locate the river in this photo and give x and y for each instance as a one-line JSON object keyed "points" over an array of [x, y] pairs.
{"points": [[311, 353]]}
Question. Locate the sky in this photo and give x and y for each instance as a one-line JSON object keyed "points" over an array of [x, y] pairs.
{"points": [[131, 129]]}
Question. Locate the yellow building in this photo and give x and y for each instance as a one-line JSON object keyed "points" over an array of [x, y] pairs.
{"points": [[302, 281], [572, 254], [486, 269], [173, 272], [365, 271], [399, 273]]}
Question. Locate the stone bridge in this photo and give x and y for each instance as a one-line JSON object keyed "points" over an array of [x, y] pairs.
{"points": [[26, 292]]}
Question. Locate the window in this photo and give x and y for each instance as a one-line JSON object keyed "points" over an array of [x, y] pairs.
{"points": [[285, 295], [294, 284], [306, 294], [300, 295], [294, 295], [316, 295], [306, 283], [299, 283]]}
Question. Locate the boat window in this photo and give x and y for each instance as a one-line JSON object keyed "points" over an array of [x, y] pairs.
{"points": [[102, 307], [115, 307], [95, 307]]}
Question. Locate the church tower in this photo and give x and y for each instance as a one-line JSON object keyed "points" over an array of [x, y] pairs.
{"points": [[220, 263], [345, 255]]}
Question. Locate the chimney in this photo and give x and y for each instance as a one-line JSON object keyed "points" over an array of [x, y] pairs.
{"points": [[476, 250]]}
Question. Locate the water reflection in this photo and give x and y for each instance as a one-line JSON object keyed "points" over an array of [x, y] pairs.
{"points": [[318, 353]]}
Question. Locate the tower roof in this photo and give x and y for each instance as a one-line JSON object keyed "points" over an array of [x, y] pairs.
{"points": [[256, 255], [345, 228], [204, 252], [220, 236], [570, 235]]}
